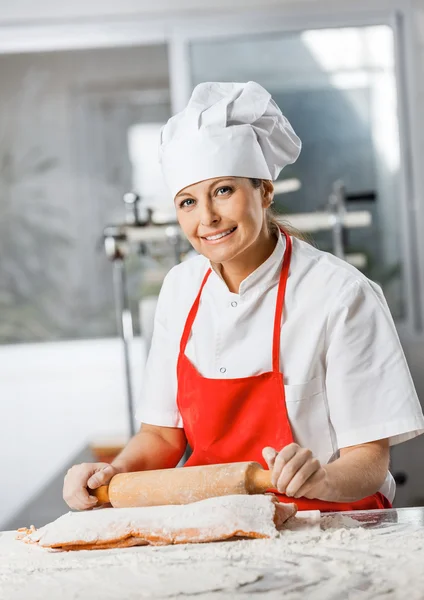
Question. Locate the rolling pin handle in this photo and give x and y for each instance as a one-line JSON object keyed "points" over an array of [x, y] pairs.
{"points": [[258, 479], [101, 493]]}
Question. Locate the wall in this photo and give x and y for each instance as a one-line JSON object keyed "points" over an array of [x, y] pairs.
{"points": [[55, 398], [64, 119], [23, 10]]}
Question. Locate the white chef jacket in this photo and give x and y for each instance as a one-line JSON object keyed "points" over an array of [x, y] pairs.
{"points": [[346, 379]]}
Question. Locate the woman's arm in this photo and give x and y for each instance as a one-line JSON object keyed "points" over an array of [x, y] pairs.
{"points": [[152, 447], [359, 472]]}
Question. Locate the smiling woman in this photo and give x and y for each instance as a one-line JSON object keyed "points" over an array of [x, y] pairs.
{"points": [[264, 349], [225, 220]]}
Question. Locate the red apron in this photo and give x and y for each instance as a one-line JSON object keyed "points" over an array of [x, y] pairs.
{"points": [[232, 420]]}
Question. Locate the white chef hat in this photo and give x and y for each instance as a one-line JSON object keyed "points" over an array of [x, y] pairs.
{"points": [[226, 129]]}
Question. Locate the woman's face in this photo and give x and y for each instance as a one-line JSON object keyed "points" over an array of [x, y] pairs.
{"points": [[223, 217]]}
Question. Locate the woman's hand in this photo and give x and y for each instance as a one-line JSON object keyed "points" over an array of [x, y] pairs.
{"points": [[81, 477], [295, 472], [151, 448]]}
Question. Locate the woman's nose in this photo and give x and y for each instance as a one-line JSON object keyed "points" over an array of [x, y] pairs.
{"points": [[208, 216]]}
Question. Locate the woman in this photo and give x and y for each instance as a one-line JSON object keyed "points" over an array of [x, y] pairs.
{"points": [[264, 347]]}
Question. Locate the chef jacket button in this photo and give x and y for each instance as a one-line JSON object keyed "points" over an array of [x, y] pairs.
{"points": [[234, 304], [222, 369]]}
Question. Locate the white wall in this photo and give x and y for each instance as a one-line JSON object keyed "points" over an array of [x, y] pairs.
{"points": [[55, 398], [22, 10], [74, 109]]}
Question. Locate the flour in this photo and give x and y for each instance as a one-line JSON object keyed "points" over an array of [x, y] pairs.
{"points": [[338, 521], [333, 560]]}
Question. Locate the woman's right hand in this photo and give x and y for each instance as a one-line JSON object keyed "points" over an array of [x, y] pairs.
{"points": [[83, 476]]}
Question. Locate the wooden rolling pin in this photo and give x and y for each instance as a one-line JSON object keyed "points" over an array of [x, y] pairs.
{"points": [[183, 486]]}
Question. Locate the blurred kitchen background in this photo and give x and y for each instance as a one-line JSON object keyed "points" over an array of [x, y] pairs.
{"points": [[85, 88]]}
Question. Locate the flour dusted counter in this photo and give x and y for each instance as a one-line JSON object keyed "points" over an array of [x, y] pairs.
{"points": [[381, 557]]}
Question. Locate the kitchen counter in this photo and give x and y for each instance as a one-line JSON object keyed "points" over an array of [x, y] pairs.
{"points": [[364, 555]]}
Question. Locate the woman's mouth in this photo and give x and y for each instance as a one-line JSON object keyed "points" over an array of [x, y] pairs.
{"points": [[218, 237]]}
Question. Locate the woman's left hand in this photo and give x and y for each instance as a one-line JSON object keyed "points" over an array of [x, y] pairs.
{"points": [[295, 472]]}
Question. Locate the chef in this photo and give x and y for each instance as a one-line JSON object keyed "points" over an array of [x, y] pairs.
{"points": [[264, 348]]}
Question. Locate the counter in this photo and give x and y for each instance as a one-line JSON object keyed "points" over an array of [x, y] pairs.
{"points": [[364, 555]]}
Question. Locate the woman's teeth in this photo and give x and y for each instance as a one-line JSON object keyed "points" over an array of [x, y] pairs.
{"points": [[220, 235]]}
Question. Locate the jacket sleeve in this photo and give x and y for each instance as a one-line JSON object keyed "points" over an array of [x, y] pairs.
{"points": [[158, 400], [369, 388]]}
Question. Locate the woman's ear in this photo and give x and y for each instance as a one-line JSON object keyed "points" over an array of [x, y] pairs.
{"points": [[267, 193]]}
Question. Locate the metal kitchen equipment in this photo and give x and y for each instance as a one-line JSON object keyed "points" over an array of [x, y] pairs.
{"points": [[134, 235]]}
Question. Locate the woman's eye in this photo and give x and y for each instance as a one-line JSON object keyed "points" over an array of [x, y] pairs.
{"points": [[188, 202], [223, 190]]}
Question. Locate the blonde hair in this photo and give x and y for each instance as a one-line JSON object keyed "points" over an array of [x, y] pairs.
{"points": [[275, 221]]}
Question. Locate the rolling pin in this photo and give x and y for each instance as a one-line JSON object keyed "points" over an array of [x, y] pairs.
{"points": [[183, 485]]}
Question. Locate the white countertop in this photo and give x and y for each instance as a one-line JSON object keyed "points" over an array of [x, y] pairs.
{"points": [[384, 557]]}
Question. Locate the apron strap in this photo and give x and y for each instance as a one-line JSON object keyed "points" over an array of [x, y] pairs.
{"points": [[280, 304], [278, 311], [192, 315]]}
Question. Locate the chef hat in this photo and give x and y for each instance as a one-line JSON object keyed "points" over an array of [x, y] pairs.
{"points": [[226, 129]]}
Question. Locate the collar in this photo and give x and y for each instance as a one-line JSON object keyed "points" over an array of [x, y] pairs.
{"points": [[261, 278]]}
